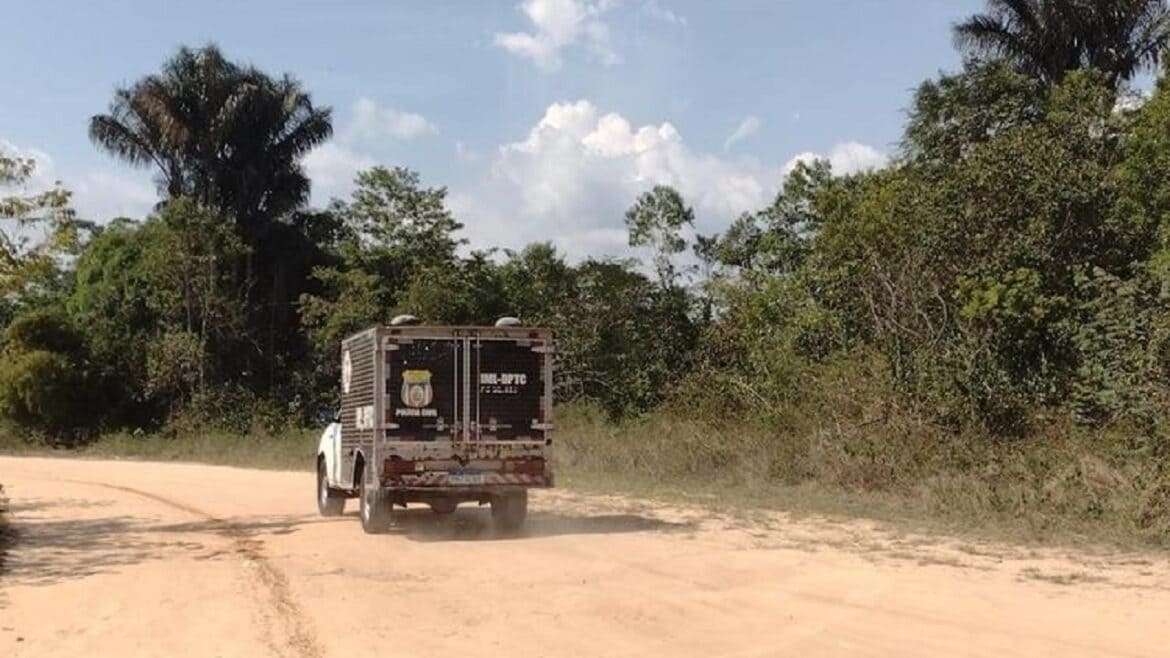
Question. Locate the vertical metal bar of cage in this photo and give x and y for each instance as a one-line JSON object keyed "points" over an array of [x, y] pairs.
{"points": [[379, 419], [466, 388], [547, 402], [456, 428], [475, 383]]}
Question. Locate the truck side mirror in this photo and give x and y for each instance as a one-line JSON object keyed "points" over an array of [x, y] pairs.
{"points": [[337, 416]]}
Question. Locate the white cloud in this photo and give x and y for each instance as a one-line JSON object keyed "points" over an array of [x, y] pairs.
{"points": [[102, 196], [746, 128], [373, 122], [845, 158], [332, 167], [654, 9], [99, 195], [577, 171], [559, 24]]}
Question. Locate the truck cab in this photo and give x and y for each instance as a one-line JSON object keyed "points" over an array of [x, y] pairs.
{"points": [[440, 415]]}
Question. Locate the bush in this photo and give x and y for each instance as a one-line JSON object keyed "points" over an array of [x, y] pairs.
{"points": [[44, 380], [232, 409], [43, 390]]}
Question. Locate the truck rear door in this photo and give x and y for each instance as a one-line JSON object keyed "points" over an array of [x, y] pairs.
{"points": [[424, 382], [508, 389]]}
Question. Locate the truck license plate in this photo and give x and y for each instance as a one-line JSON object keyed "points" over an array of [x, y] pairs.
{"points": [[464, 479]]}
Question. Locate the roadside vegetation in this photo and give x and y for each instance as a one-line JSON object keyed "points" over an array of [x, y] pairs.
{"points": [[978, 333]]}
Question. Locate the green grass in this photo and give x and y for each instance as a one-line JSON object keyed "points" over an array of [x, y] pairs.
{"points": [[1070, 486]]}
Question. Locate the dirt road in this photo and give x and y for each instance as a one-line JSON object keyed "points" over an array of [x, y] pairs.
{"points": [[138, 559]]}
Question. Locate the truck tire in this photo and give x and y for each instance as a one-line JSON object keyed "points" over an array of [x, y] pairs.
{"points": [[510, 510], [330, 502], [374, 511]]}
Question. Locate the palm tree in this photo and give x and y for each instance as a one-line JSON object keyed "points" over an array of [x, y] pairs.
{"points": [[231, 138], [226, 135], [1049, 38]]}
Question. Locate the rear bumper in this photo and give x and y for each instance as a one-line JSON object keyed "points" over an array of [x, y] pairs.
{"points": [[463, 450], [440, 480], [464, 467]]}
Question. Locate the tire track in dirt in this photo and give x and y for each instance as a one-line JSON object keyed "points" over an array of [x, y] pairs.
{"points": [[298, 636]]}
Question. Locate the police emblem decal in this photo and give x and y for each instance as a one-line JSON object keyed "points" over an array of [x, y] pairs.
{"points": [[416, 388]]}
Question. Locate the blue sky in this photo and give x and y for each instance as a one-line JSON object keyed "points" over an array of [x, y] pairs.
{"points": [[545, 118]]}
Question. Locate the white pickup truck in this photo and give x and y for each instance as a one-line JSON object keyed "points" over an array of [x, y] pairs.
{"points": [[440, 415]]}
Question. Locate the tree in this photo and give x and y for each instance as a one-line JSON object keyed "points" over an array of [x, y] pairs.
{"points": [[226, 135], [230, 138], [622, 339], [1049, 38], [192, 290], [390, 229], [391, 211], [966, 259], [953, 114], [36, 229], [113, 298], [537, 283], [777, 239], [654, 221], [464, 291]]}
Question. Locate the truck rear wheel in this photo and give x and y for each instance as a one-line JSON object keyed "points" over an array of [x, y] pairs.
{"points": [[375, 512], [329, 501], [510, 510]]}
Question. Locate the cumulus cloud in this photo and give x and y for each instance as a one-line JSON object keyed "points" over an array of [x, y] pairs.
{"points": [[577, 171], [571, 178], [370, 121], [746, 128], [559, 24], [332, 167], [101, 195], [845, 158]]}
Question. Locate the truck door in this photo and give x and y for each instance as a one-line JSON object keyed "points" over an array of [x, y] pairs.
{"points": [[508, 387], [423, 389]]}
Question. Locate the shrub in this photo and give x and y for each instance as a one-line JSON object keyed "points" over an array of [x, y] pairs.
{"points": [[43, 390], [44, 379]]}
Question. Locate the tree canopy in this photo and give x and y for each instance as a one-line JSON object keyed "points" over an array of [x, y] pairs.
{"points": [[227, 135], [1050, 38]]}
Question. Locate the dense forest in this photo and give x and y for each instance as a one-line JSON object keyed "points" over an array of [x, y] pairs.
{"points": [[1008, 272]]}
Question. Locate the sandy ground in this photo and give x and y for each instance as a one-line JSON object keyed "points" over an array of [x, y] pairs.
{"points": [[140, 559]]}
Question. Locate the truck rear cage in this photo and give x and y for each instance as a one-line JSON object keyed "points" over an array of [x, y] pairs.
{"points": [[459, 384]]}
